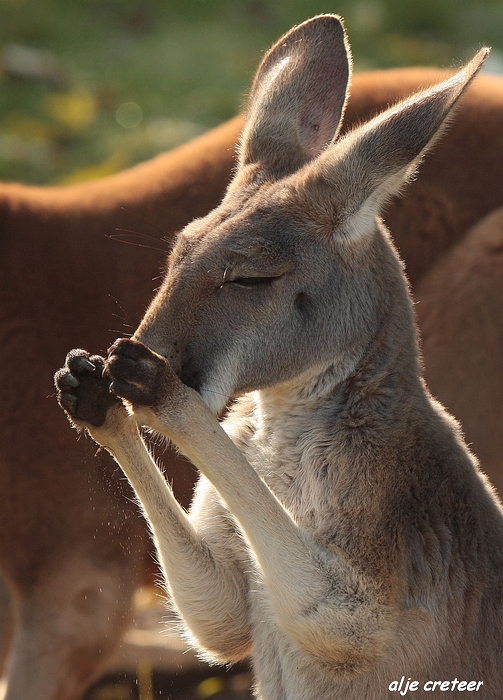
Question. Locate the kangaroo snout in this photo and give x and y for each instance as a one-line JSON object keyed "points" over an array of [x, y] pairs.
{"points": [[176, 353]]}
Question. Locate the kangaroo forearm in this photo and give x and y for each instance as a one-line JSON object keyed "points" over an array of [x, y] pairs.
{"points": [[286, 556], [217, 620], [313, 591]]}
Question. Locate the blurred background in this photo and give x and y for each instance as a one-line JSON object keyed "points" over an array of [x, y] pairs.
{"points": [[90, 87]]}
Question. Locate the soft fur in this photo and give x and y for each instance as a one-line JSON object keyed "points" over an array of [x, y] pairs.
{"points": [[341, 532]]}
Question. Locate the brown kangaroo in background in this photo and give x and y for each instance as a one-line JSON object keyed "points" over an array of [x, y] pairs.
{"points": [[73, 558], [341, 533], [72, 547]]}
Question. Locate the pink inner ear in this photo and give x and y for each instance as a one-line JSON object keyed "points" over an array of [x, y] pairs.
{"points": [[322, 106], [298, 96], [320, 121]]}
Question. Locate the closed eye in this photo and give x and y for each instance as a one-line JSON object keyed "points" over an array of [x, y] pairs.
{"points": [[252, 281]]}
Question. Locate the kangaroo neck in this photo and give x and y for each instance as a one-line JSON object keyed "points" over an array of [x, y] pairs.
{"points": [[382, 385]]}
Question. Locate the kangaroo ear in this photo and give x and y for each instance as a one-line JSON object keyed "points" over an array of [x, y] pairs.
{"points": [[298, 97], [353, 178]]}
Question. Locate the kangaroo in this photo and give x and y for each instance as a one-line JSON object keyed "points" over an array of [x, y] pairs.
{"points": [[56, 237], [341, 533], [459, 301], [72, 547]]}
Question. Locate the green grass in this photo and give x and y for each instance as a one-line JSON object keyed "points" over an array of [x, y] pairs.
{"points": [[186, 65]]}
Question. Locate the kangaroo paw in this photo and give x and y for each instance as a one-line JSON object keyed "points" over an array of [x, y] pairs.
{"points": [[83, 390]]}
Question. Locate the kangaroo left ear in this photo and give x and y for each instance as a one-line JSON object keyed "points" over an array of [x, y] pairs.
{"points": [[356, 175], [298, 97]]}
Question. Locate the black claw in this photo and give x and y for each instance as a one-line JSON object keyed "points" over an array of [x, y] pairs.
{"points": [[130, 392], [120, 366], [83, 363], [68, 401], [132, 349], [79, 362], [68, 380]]}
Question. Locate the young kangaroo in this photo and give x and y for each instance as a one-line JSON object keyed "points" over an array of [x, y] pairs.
{"points": [[340, 533]]}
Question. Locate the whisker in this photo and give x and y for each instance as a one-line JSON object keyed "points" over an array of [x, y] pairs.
{"points": [[170, 241], [121, 333], [151, 222], [215, 390], [121, 307], [126, 325], [123, 235]]}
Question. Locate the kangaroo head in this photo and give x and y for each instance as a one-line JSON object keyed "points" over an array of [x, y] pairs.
{"points": [[293, 273]]}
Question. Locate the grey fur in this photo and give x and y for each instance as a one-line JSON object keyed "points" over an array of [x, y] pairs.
{"points": [[343, 536]]}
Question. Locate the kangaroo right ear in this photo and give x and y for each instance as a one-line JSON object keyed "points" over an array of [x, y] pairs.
{"points": [[351, 180], [298, 97]]}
